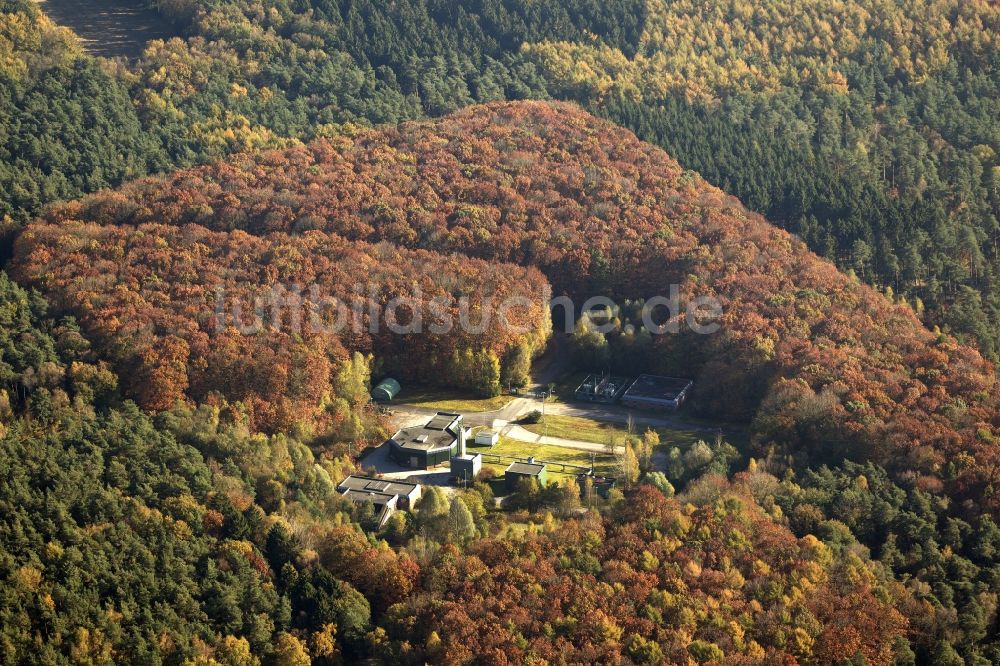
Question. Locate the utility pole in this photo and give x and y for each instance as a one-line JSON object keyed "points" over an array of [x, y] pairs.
{"points": [[545, 423]]}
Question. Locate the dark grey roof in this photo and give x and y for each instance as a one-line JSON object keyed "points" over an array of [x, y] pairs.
{"points": [[650, 387], [369, 485], [442, 421], [526, 469], [360, 496], [439, 433]]}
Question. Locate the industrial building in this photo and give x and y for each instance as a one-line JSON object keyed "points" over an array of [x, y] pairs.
{"points": [[385, 505], [604, 389], [386, 496], [518, 471], [657, 393], [601, 485], [407, 492], [430, 445]]}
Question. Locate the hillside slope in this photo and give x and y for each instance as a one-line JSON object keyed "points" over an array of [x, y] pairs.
{"points": [[268, 321], [826, 367], [866, 126]]}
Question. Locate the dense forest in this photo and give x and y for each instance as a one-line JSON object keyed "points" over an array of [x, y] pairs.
{"points": [[185, 539], [599, 212], [866, 127], [151, 297], [129, 540], [251, 76], [828, 369], [167, 479]]}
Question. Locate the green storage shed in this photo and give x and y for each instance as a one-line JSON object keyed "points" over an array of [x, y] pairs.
{"points": [[519, 471], [386, 390]]}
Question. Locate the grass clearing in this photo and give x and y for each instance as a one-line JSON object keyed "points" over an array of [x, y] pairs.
{"points": [[587, 430], [599, 432], [449, 400], [604, 464]]}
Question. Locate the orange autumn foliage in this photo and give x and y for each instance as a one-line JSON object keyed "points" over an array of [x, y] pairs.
{"points": [[825, 367]]}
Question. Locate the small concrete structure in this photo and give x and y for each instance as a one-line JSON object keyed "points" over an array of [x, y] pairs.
{"points": [[487, 438], [467, 467], [518, 471]]}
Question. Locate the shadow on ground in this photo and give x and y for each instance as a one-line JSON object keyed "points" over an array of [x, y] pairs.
{"points": [[110, 28], [378, 459]]}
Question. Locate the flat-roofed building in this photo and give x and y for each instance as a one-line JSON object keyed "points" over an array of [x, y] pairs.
{"points": [[408, 493], [487, 438], [467, 467], [385, 505], [430, 445], [654, 393], [519, 471]]}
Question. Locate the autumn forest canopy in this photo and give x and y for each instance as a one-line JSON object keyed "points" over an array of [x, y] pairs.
{"points": [[827, 172]]}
